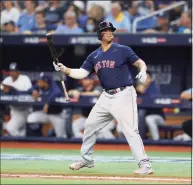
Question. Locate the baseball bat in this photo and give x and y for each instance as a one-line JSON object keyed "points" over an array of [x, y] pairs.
{"points": [[56, 60]]}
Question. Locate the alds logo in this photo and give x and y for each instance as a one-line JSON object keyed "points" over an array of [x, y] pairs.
{"points": [[104, 64]]}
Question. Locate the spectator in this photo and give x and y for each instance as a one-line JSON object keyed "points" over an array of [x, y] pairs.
{"points": [[175, 13], [10, 13], [146, 7], [186, 125], [26, 20], [47, 90], [41, 26], [154, 116], [54, 12], [119, 19], [97, 13], [159, 4], [20, 5], [10, 27], [126, 4], [90, 25], [133, 11], [17, 83], [162, 24], [70, 26], [81, 13], [42, 5], [184, 25], [104, 4], [87, 88]]}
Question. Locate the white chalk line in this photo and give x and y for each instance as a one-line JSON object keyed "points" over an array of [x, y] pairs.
{"points": [[94, 177], [99, 158]]}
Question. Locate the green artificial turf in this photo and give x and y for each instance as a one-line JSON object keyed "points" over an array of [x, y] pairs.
{"points": [[107, 168]]}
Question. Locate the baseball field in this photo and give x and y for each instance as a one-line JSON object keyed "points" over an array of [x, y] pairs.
{"points": [[47, 163]]}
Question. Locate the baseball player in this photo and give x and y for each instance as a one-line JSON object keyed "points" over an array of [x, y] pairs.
{"points": [[90, 89], [19, 84], [111, 62], [47, 90], [153, 116]]}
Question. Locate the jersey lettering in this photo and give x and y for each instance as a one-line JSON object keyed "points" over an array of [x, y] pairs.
{"points": [[114, 69], [104, 64], [112, 64]]}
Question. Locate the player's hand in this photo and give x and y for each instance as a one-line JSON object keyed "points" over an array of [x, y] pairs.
{"points": [[35, 94], [75, 95], [142, 75], [56, 67], [6, 88], [62, 67], [45, 108]]}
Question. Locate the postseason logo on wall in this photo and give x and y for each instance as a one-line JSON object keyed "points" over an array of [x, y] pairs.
{"points": [[153, 40], [161, 73], [84, 40]]}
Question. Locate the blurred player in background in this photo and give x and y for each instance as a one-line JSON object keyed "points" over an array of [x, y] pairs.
{"points": [[153, 116], [186, 125], [17, 83], [112, 63], [47, 90]]}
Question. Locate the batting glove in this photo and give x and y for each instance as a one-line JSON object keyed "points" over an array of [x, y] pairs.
{"points": [[142, 75], [62, 67], [56, 67]]}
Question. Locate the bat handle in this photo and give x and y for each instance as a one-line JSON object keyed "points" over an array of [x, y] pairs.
{"points": [[64, 88], [65, 92]]}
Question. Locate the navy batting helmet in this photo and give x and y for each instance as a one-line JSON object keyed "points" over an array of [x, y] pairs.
{"points": [[103, 26]]}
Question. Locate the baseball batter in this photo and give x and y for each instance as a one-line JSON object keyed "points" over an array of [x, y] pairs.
{"points": [[111, 62]]}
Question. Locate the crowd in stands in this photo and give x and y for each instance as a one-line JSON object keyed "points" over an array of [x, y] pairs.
{"points": [[76, 17]]}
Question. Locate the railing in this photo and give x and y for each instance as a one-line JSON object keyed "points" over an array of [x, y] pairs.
{"points": [[134, 27]]}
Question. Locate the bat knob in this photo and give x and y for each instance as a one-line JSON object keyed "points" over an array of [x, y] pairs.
{"points": [[67, 100], [56, 61], [49, 36]]}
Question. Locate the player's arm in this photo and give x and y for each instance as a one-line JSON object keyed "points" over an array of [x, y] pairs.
{"points": [[140, 64], [74, 73], [86, 68], [133, 59], [186, 95]]}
